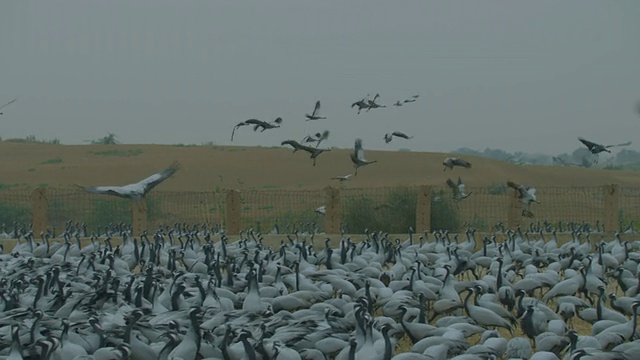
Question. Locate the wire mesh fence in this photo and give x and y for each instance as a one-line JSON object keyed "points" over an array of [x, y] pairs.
{"points": [[629, 207], [390, 209], [483, 209], [275, 210], [15, 207]]}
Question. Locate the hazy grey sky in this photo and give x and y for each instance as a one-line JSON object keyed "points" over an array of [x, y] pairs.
{"points": [[517, 75]]}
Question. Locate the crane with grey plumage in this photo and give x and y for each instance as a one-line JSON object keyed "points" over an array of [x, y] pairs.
{"points": [[258, 124], [135, 191], [389, 136], [451, 162], [315, 152], [314, 115], [357, 156]]}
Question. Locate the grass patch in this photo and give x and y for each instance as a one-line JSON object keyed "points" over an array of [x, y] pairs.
{"points": [[52, 161], [117, 152], [395, 214], [31, 169]]}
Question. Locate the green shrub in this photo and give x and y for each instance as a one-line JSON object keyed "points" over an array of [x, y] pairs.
{"points": [[10, 213], [395, 214], [109, 139], [444, 213]]}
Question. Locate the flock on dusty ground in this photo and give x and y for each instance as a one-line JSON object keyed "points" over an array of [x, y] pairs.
{"points": [[189, 292]]}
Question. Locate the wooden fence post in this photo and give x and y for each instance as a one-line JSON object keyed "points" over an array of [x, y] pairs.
{"points": [[139, 216], [39, 210], [514, 209], [333, 206], [423, 209], [611, 207], [232, 212]]}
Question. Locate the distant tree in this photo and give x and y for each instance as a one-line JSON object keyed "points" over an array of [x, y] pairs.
{"points": [[626, 156], [467, 151], [110, 139], [497, 154], [583, 157]]}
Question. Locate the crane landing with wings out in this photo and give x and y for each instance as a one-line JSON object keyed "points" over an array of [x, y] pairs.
{"points": [[451, 162], [357, 156], [526, 195], [596, 148], [315, 152], [135, 191], [314, 115], [258, 124], [459, 189]]}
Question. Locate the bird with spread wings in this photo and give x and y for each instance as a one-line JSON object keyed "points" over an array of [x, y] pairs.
{"points": [[459, 189], [450, 162], [357, 156], [526, 195], [135, 191], [258, 124], [314, 115], [315, 152]]}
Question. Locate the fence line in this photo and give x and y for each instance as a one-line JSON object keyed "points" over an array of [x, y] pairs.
{"points": [[352, 210]]}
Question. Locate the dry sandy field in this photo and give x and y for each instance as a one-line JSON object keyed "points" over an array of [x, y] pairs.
{"points": [[207, 167]]}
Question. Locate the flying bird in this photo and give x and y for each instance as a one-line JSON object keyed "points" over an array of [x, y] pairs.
{"points": [[450, 162], [7, 104], [459, 192], [342, 178], [388, 137], [596, 148], [372, 104], [526, 195], [315, 152], [258, 124], [397, 103], [322, 210], [357, 156], [361, 104], [413, 99], [314, 115], [136, 191], [320, 137]]}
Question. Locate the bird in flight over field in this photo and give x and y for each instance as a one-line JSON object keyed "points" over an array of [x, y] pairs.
{"points": [[258, 124], [450, 162], [314, 115], [388, 137], [342, 178], [459, 192], [526, 195], [7, 104], [596, 148], [315, 152], [136, 191], [357, 156]]}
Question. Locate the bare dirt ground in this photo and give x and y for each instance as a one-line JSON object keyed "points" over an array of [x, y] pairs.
{"points": [[207, 167]]}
